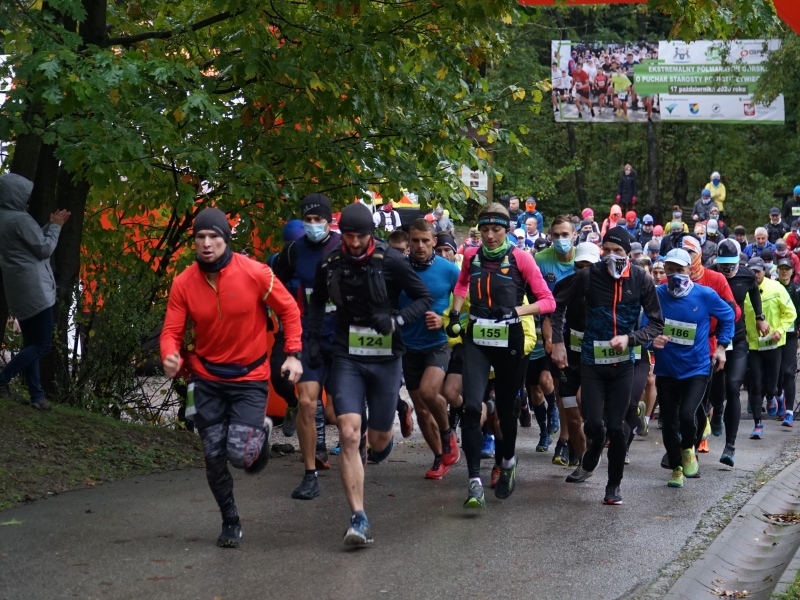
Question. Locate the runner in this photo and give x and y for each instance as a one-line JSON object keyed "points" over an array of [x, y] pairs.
{"points": [[427, 353], [364, 278], [788, 374], [764, 359], [495, 277], [582, 89], [725, 385], [298, 262], [615, 292], [684, 360], [223, 294], [622, 89]]}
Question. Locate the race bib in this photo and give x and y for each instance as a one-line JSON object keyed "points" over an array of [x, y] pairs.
{"points": [[680, 332], [485, 332], [575, 340], [604, 354], [329, 306], [766, 343], [365, 341], [796, 211], [637, 353]]}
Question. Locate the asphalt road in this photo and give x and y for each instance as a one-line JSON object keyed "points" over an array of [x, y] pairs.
{"points": [[153, 537]]}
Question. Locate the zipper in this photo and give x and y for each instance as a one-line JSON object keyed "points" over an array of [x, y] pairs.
{"points": [[216, 292]]}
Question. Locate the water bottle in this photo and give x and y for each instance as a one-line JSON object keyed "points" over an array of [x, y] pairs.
{"points": [[191, 410]]}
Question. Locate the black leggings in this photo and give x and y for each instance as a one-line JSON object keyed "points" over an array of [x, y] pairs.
{"points": [[788, 380], [606, 390], [765, 368], [641, 370], [725, 385], [509, 374], [679, 400]]}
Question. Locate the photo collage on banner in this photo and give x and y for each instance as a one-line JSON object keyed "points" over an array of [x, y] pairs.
{"points": [[705, 81]]}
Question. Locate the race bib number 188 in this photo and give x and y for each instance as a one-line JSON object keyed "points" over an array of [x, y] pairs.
{"points": [[604, 354]]}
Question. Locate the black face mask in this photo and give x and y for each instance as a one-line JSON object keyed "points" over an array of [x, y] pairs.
{"points": [[219, 264]]}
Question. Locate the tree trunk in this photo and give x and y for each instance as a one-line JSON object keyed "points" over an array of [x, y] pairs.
{"points": [[580, 180], [652, 172]]}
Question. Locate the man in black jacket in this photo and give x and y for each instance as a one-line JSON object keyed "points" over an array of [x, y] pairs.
{"points": [[777, 226]]}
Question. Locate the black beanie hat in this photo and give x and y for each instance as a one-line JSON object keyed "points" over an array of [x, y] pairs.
{"points": [[618, 235], [445, 239], [356, 218], [316, 204], [215, 220]]}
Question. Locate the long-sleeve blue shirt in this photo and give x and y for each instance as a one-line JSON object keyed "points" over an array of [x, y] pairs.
{"points": [[440, 279], [687, 321]]}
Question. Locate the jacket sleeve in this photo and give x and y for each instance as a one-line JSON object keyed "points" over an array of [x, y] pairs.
{"points": [[462, 285], [41, 241], [284, 270], [412, 285], [533, 277], [724, 314], [652, 309], [174, 329], [566, 291], [788, 311], [755, 298], [278, 298]]}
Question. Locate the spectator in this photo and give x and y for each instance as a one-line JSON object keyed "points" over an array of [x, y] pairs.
{"points": [[777, 227], [627, 188], [30, 287], [717, 190], [760, 244], [387, 219], [442, 223], [513, 208], [530, 211], [702, 208]]}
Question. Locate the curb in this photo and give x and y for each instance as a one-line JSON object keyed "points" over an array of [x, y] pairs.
{"points": [[752, 553]]}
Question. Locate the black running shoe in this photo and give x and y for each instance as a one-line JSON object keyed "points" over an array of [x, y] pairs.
{"points": [[525, 417], [574, 459], [308, 488], [665, 462], [230, 536], [561, 455], [507, 482], [612, 497], [263, 456], [579, 475], [728, 455]]}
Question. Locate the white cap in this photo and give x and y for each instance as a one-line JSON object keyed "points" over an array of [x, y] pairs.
{"points": [[587, 252], [678, 256], [519, 233], [713, 226], [715, 174]]}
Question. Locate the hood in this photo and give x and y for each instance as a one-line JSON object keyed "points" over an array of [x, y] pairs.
{"points": [[15, 191]]}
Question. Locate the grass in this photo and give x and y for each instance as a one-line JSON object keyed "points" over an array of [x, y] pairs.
{"points": [[66, 449], [793, 593]]}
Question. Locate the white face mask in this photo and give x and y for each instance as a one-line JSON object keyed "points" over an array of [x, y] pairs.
{"points": [[615, 265]]}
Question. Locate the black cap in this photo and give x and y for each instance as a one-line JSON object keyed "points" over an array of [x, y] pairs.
{"points": [[445, 239], [766, 255], [618, 235], [316, 204], [356, 218], [541, 243], [213, 219], [740, 230], [728, 252], [774, 211], [756, 264], [785, 262]]}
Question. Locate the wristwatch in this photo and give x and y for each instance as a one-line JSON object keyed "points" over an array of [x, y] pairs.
{"points": [[761, 317], [297, 355]]}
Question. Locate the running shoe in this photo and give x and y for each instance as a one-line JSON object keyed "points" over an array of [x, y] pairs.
{"points": [[612, 496], [665, 461], [781, 407], [450, 450], [702, 447], [336, 450], [525, 419], [42, 405], [788, 419], [488, 446], [579, 475], [289, 425], [495, 477], [728, 455], [544, 442], [561, 455], [689, 460], [475, 497], [758, 432], [716, 425], [406, 421], [230, 536], [677, 479], [321, 459], [642, 427], [772, 406], [308, 488], [507, 482], [438, 470], [706, 431], [552, 419], [574, 459], [263, 457], [358, 534]]}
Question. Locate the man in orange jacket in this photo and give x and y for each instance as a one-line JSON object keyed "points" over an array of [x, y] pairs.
{"points": [[224, 293]]}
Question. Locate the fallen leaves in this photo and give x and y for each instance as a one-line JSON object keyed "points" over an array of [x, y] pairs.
{"points": [[788, 518], [730, 593]]}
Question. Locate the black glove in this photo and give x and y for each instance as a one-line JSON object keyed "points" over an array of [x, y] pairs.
{"points": [[313, 354], [453, 328], [383, 323], [499, 314]]}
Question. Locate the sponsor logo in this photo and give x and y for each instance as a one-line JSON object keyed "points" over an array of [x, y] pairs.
{"points": [[682, 53], [716, 109], [694, 108], [749, 109], [671, 107]]}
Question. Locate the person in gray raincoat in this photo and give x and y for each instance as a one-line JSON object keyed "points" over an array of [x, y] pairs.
{"points": [[30, 287]]}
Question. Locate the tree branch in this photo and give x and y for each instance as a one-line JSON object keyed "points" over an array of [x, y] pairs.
{"points": [[129, 40]]}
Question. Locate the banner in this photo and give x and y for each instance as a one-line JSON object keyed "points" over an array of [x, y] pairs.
{"points": [[705, 81]]}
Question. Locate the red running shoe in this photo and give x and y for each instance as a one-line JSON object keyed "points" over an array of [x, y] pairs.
{"points": [[702, 447], [438, 470], [495, 476], [450, 450]]}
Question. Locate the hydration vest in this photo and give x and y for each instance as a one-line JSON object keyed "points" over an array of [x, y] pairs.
{"points": [[494, 283], [343, 273]]}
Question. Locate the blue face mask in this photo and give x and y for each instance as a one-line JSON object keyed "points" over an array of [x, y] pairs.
{"points": [[315, 231], [715, 181], [562, 246]]}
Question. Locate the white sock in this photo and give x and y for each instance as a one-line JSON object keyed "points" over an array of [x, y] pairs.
{"points": [[476, 480], [507, 464], [647, 419]]}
